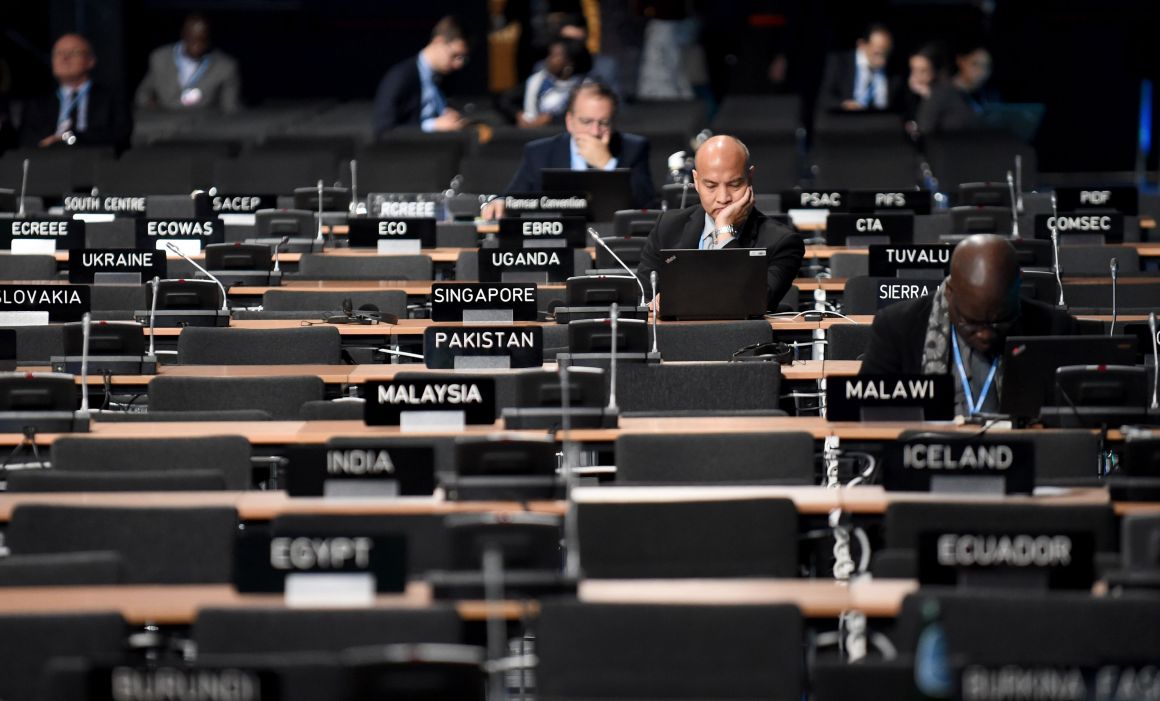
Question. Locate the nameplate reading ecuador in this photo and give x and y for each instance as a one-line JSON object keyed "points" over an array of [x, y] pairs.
{"points": [[152, 233], [61, 233], [475, 347], [389, 403], [525, 265], [915, 201], [349, 467], [169, 680], [833, 200], [1125, 200], [105, 204], [890, 397], [519, 203], [919, 464], [994, 557], [532, 232], [368, 232], [1110, 225], [475, 301], [897, 228], [85, 264], [62, 302], [242, 203], [263, 561], [892, 290], [887, 260]]}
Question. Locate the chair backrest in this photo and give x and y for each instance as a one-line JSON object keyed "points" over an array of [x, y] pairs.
{"points": [[229, 455], [881, 161], [847, 341], [456, 235], [155, 415], [710, 341], [280, 397], [314, 266], [846, 265], [838, 680], [747, 458], [326, 410], [29, 641], [710, 538], [204, 345], [1094, 261], [35, 345], [700, 387], [978, 155], [387, 301], [980, 220], [276, 173], [66, 569], [488, 174], [117, 481], [118, 301], [119, 233], [158, 545], [27, 267]]}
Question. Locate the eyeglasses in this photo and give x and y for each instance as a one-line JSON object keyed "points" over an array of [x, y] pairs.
{"points": [[587, 122], [999, 327], [69, 53]]}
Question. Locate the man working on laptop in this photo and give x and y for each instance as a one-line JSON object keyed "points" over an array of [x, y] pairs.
{"points": [[962, 327], [725, 218]]}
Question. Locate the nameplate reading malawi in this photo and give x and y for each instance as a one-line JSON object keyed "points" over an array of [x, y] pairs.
{"points": [[892, 290], [1033, 557], [852, 398], [833, 200], [62, 302], [262, 561], [525, 265], [367, 233], [575, 203], [63, 233], [85, 264], [450, 347], [388, 402], [913, 465], [1110, 225], [357, 466], [897, 228], [152, 233], [105, 204], [915, 201], [460, 301], [242, 204], [532, 232], [887, 260]]}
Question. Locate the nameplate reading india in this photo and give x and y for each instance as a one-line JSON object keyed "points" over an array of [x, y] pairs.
{"points": [[372, 232], [520, 203], [896, 228], [534, 232], [483, 347], [833, 200], [525, 265], [397, 402], [944, 463], [891, 291], [888, 260], [88, 265], [995, 557], [265, 562], [1125, 200], [915, 201], [241, 203], [43, 233], [1110, 226], [105, 204], [347, 467], [60, 302], [484, 302], [890, 398], [153, 233]]}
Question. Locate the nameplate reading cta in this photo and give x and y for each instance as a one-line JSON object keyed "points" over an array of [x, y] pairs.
{"points": [[896, 228], [152, 231], [890, 397], [483, 347], [453, 301], [367, 232], [887, 260], [915, 464], [105, 204], [262, 561], [84, 265], [1110, 225], [531, 232], [352, 467], [242, 204], [387, 402], [63, 233], [62, 302]]}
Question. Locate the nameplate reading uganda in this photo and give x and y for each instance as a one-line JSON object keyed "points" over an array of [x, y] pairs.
{"points": [[386, 402], [367, 232], [169, 680], [533, 232], [848, 397], [62, 302], [407, 471], [151, 232], [575, 203], [85, 263], [449, 300], [1110, 225], [525, 265], [1125, 200], [915, 201], [242, 204], [897, 228], [105, 204], [997, 556], [910, 466], [833, 200], [893, 290], [448, 347], [64, 233], [263, 560], [887, 260]]}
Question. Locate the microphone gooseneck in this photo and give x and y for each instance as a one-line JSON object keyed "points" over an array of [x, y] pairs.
{"points": [[318, 236], [277, 248], [20, 214], [1155, 361], [596, 237], [1114, 266], [614, 314], [208, 274], [1055, 267], [656, 312], [86, 322], [153, 317], [1014, 208]]}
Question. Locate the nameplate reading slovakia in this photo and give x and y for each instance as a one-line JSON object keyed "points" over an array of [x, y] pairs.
{"points": [[169, 680], [913, 465], [370, 467], [62, 302], [84, 264], [1124, 199], [242, 204], [63, 233], [897, 228], [452, 301], [152, 232], [892, 290], [467, 347], [368, 232], [532, 232], [1110, 225], [546, 203], [916, 201], [262, 561], [833, 200], [525, 265], [388, 402], [995, 556], [887, 260], [104, 204], [850, 398]]}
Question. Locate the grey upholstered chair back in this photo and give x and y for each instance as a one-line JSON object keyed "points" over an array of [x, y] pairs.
{"points": [[229, 455], [280, 397], [710, 340], [27, 267], [387, 301], [707, 458], [321, 267], [847, 341], [313, 345], [1093, 261], [700, 388], [35, 345], [846, 265], [29, 641], [66, 569]]}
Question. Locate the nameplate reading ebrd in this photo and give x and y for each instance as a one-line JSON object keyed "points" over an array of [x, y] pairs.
{"points": [[62, 302], [483, 347], [535, 232]]}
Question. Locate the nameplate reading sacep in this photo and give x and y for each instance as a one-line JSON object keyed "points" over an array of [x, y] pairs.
{"points": [[525, 265], [153, 233], [890, 398], [521, 203], [242, 204], [86, 264], [888, 260], [833, 200], [372, 232], [896, 228], [47, 233], [361, 468], [105, 204], [893, 290], [477, 302], [1124, 199], [1110, 226], [483, 347], [263, 562], [169, 680], [532, 232], [914, 201], [62, 302], [1020, 558], [945, 464], [399, 402]]}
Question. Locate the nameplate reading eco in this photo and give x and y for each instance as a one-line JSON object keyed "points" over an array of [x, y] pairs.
{"points": [[833, 200], [452, 301], [105, 204], [168, 680], [262, 560], [387, 402], [63, 233], [893, 290], [242, 204], [1125, 200], [887, 260], [450, 347], [917, 464], [1033, 558], [367, 233], [890, 398], [62, 302], [85, 264], [150, 232], [1110, 225], [532, 232], [575, 203], [915, 201], [525, 265], [897, 228]]}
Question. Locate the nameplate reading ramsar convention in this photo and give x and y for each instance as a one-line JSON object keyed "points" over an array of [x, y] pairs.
{"points": [[64, 233], [386, 402], [242, 203], [575, 203], [546, 264], [85, 263], [897, 228], [1109, 225], [912, 465], [848, 398], [915, 201], [887, 260], [448, 347], [402, 470], [263, 560], [152, 231], [994, 557], [533, 232], [367, 232], [62, 302], [449, 300]]}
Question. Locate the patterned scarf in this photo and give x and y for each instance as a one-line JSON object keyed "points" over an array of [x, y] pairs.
{"points": [[936, 346]]}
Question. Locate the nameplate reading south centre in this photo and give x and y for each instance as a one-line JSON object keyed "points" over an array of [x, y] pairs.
{"points": [[242, 203], [890, 398], [914, 201], [105, 204], [525, 203], [42, 235], [168, 680], [432, 403], [533, 232], [888, 260], [892, 290], [87, 266], [152, 234], [1125, 199], [1031, 558], [483, 347], [361, 468], [945, 464], [265, 562], [391, 235], [892, 228], [484, 302], [1109, 225], [525, 265], [833, 200], [60, 302]]}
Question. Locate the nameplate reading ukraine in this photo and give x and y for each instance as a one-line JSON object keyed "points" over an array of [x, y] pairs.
{"points": [[62, 302], [895, 227], [262, 560], [1110, 225], [912, 465], [525, 265], [63, 233], [387, 402], [449, 347], [450, 300], [532, 232], [349, 465], [848, 397], [85, 263], [1012, 556], [575, 203], [887, 260], [892, 290], [242, 204], [367, 232], [151, 233], [105, 204]]}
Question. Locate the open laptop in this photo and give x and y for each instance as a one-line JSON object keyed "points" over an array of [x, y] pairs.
{"points": [[1030, 363], [713, 285], [609, 191]]}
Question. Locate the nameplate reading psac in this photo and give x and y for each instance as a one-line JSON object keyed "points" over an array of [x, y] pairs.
{"points": [[105, 204], [887, 260], [897, 228], [893, 290], [62, 302], [262, 561], [914, 465], [152, 232], [63, 233], [452, 301], [884, 397], [833, 200], [450, 347], [84, 264], [167, 680], [532, 232], [1110, 225], [575, 203], [366, 233], [1125, 200], [525, 265], [242, 204], [387, 402], [367, 468], [1023, 558], [916, 201]]}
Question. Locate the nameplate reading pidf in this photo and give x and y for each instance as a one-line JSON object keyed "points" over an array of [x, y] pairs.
{"points": [[85, 264], [152, 232], [483, 347], [263, 561], [62, 302], [388, 403], [241, 203], [360, 468], [368, 232], [533, 232], [891, 290], [949, 464], [894, 227], [1123, 199], [525, 265], [1109, 225], [890, 398], [474, 301], [175, 680], [887, 260], [833, 200], [62, 233], [1021, 558]]}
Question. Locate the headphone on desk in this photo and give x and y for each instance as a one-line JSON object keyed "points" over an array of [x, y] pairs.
{"points": [[775, 351], [366, 315]]}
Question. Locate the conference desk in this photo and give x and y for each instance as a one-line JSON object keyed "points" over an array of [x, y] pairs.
{"points": [[839, 284]]}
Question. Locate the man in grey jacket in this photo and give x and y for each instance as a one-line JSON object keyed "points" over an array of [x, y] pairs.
{"points": [[191, 74]]}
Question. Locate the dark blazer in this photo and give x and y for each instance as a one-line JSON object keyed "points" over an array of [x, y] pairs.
{"points": [[838, 83], [682, 228], [630, 150], [109, 121], [399, 99], [947, 109], [899, 331]]}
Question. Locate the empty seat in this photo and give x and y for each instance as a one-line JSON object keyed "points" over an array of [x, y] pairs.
{"points": [[216, 415], [978, 156], [710, 340], [279, 397], [321, 345], [27, 267], [29, 641], [119, 233], [785, 457], [386, 301], [406, 171], [274, 173], [456, 235], [1095, 261], [36, 345], [488, 174], [847, 341], [847, 265], [67, 569], [321, 267], [229, 455], [872, 161], [699, 388], [324, 410], [117, 302], [51, 480]]}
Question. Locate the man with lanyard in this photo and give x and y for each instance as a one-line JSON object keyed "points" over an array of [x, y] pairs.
{"points": [[961, 328], [409, 94], [857, 80], [191, 74]]}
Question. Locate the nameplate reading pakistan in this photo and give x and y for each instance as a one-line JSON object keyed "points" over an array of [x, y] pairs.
{"points": [[61, 233], [887, 397], [525, 265], [85, 264], [1110, 225], [887, 260], [263, 561], [532, 232], [368, 232], [242, 204], [473, 397], [152, 233], [468, 301], [353, 467], [62, 302], [104, 204], [894, 227], [467, 347], [920, 464], [990, 557]]}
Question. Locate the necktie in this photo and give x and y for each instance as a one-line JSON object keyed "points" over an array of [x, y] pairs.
{"points": [[870, 91]]}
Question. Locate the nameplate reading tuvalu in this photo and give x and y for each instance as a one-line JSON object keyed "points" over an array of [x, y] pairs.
{"points": [[388, 402], [888, 260], [63, 233], [532, 232], [358, 467], [917, 464], [915, 201], [1125, 200], [242, 203], [890, 397], [62, 302], [890, 291], [1001, 557], [1110, 225], [368, 232], [575, 203], [897, 228], [104, 204], [833, 200], [84, 264], [262, 560], [151, 233], [525, 265], [451, 301], [467, 347], [168, 681]]}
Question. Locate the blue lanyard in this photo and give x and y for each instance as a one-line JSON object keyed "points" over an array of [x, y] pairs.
{"points": [[197, 73], [73, 101], [973, 407]]}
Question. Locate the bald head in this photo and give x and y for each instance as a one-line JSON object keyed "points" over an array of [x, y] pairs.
{"points": [[982, 289], [722, 173], [722, 148], [72, 60]]}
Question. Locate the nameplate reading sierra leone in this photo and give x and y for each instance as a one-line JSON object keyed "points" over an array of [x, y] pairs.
{"points": [[84, 264], [367, 232], [386, 402], [847, 398], [64, 233], [366, 466], [262, 560], [891, 290], [467, 347], [887, 260], [62, 302], [451, 301], [912, 465]]}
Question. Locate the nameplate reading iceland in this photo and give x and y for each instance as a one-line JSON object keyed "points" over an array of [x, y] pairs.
{"points": [[84, 264], [452, 301], [387, 402], [885, 397], [367, 232], [525, 265], [63, 233], [887, 260], [1011, 557], [62, 302], [361, 467], [152, 232], [262, 560], [1110, 225], [532, 232], [916, 201], [575, 203], [1125, 200], [892, 290], [897, 228], [913, 465], [475, 347], [169, 680], [242, 204], [105, 204], [833, 200]]}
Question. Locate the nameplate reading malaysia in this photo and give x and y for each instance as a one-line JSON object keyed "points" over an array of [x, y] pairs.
{"points": [[1032, 558], [892, 290], [46, 234], [888, 260], [86, 265], [372, 232], [433, 402], [483, 347], [531, 232], [890, 398], [945, 464], [265, 562], [168, 680], [105, 204], [833, 200], [360, 468], [519, 203], [153, 233], [525, 265], [1110, 225], [915, 201], [1125, 200], [242, 204], [62, 302], [478, 302], [896, 228]]}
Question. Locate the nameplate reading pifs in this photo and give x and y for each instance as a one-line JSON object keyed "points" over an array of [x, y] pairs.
{"points": [[388, 402], [151, 233], [367, 233], [483, 347], [62, 302], [262, 560], [913, 466], [890, 398], [242, 204], [155, 681], [1111, 226], [85, 264], [1031, 558], [894, 290], [467, 301], [525, 265], [532, 232], [887, 260], [63, 233], [833, 200], [1125, 200], [351, 468], [897, 228], [915, 201], [575, 203], [105, 204]]}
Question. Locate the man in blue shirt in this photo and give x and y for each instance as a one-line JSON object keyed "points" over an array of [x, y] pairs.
{"points": [[409, 94], [857, 80]]}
